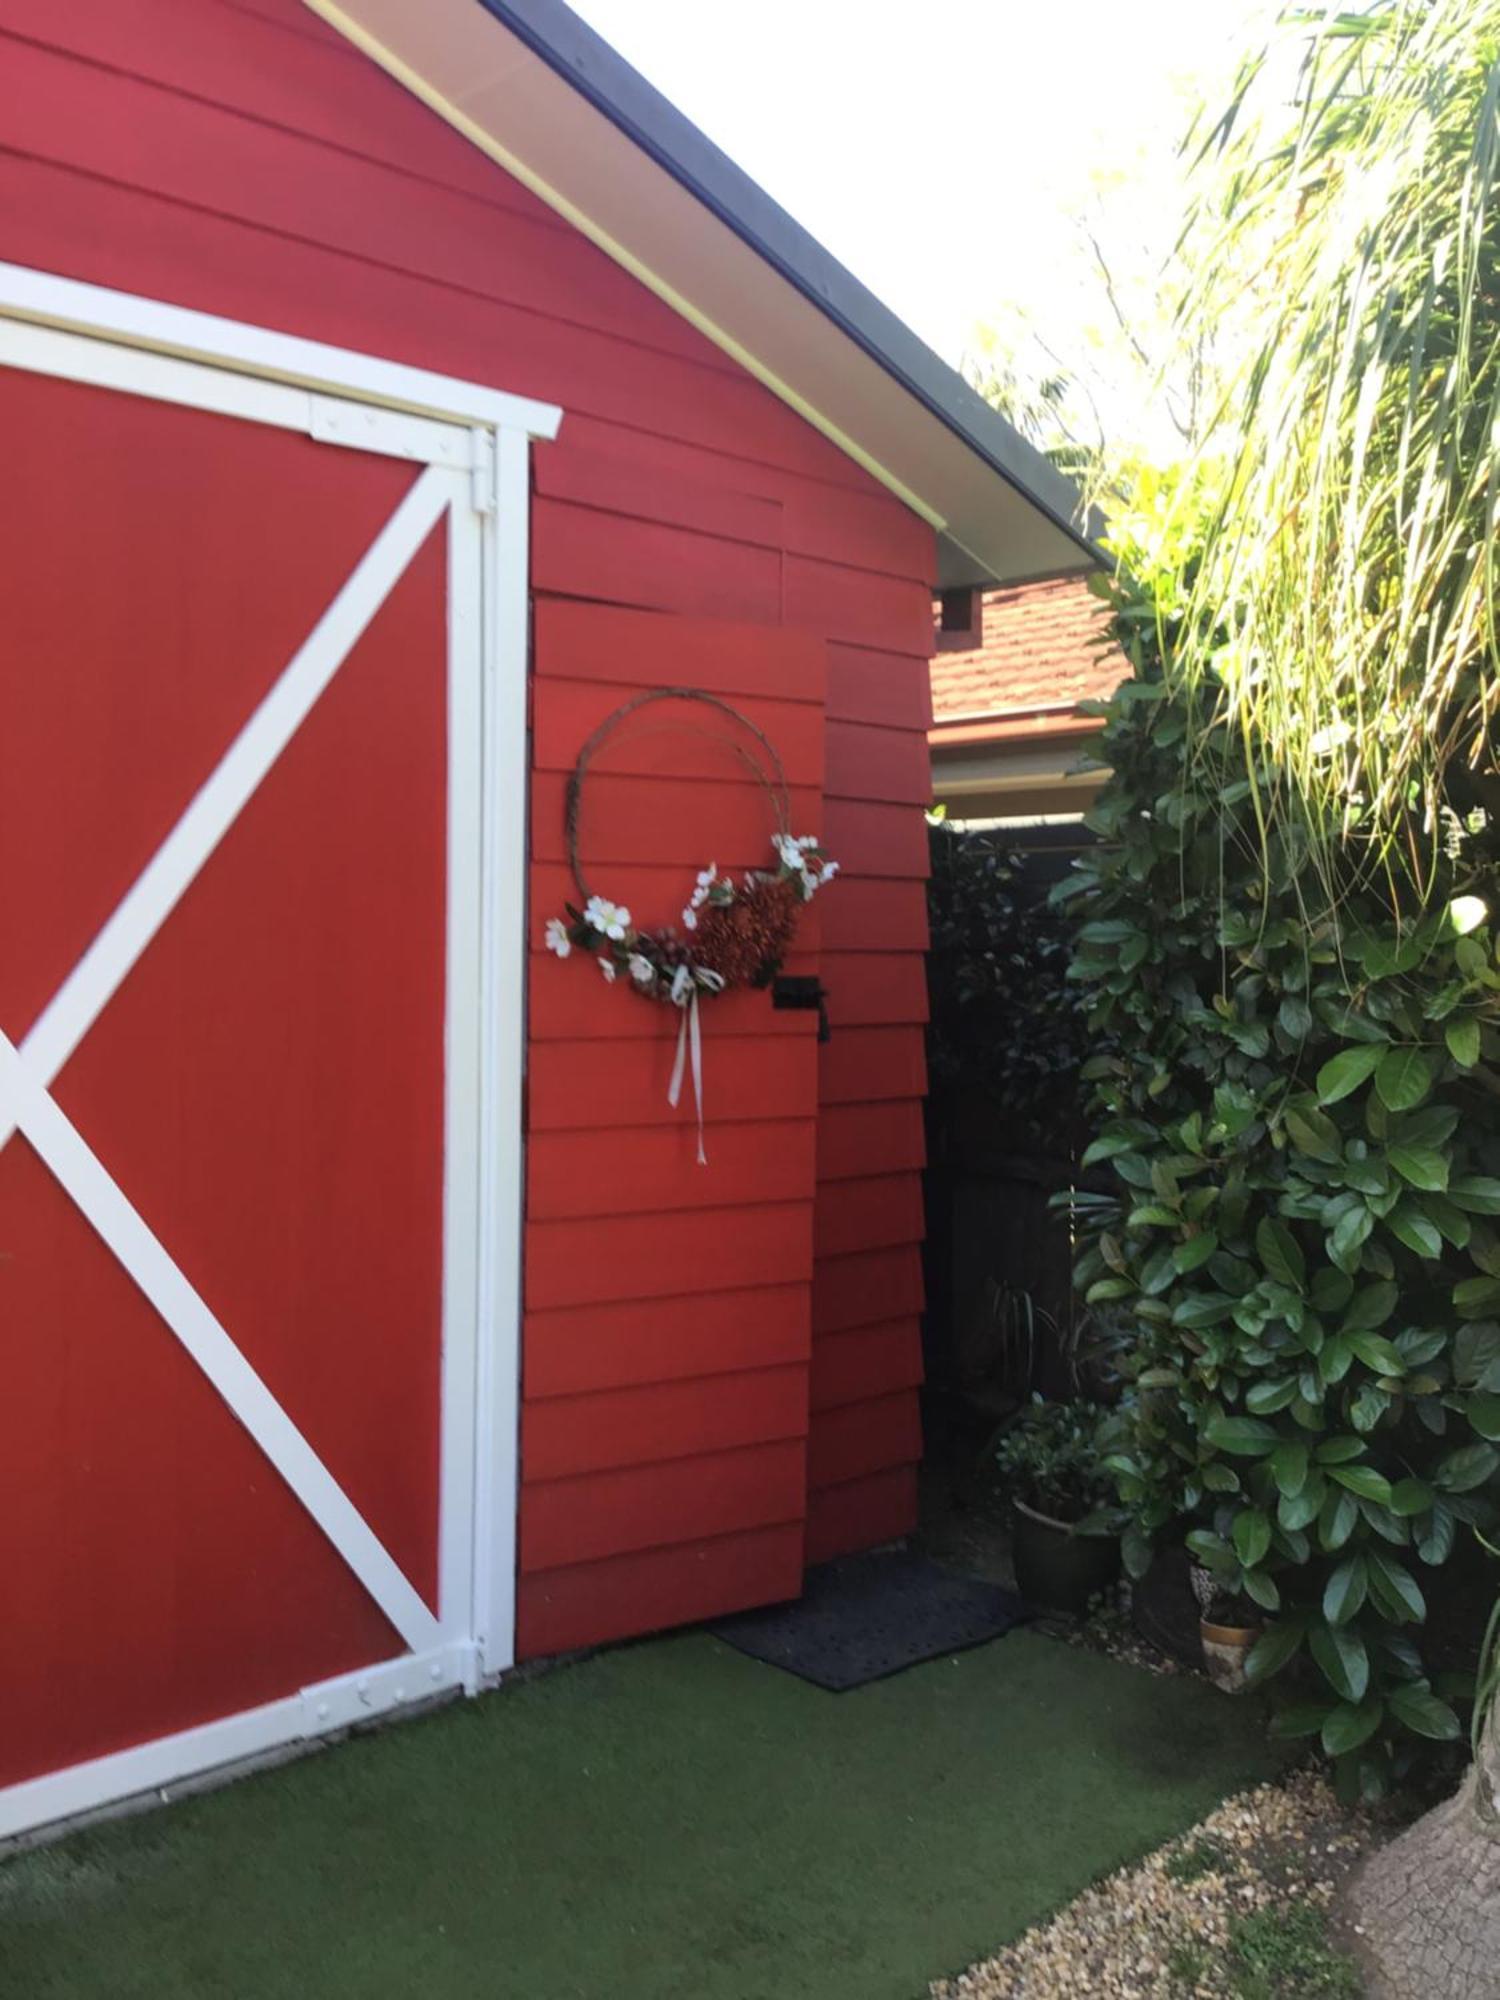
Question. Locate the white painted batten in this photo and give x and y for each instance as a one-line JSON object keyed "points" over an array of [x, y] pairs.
{"points": [[88, 989], [96, 311], [37, 1115]]}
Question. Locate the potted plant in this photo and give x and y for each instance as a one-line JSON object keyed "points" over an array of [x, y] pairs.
{"points": [[1228, 1626], [1065, 1523]]}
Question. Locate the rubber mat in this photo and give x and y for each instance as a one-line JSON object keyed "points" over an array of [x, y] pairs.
{"points": [[862, 1618]]}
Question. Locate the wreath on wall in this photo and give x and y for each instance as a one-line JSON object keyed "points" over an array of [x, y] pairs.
{"points": [[733, 933]]}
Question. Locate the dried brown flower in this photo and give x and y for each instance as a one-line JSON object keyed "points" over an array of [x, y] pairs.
{"points": [[746, 940]]}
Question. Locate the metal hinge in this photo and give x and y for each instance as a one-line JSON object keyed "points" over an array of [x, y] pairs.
{"points": [[482, 469]]}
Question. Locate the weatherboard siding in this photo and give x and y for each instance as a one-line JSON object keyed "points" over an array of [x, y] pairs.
{"points": [[240, 159]]}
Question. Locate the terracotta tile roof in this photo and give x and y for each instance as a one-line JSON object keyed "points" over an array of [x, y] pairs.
{"points": [[1043, 647]]}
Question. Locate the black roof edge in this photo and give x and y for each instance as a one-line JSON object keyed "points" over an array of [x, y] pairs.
{"points": [[554, 33]]}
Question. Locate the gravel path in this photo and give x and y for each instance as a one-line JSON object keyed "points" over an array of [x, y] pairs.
{"points": [[1172, 1926]]}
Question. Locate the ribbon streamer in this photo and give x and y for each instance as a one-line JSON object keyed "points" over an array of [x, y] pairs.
{"points": [[690, 1042]]}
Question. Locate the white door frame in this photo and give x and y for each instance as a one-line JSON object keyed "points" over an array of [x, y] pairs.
{"points": [[475, 444]]}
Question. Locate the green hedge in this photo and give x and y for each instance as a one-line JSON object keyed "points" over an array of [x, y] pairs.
{"points": [[1300, 1112]]}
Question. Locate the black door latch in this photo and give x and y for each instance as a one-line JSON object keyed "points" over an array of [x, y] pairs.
{"points": [[797, 994]]}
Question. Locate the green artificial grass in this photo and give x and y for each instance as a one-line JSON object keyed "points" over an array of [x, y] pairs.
{"points": [[664, 1821]]}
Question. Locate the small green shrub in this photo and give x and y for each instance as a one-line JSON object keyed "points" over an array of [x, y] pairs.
{"points": [[1300, 1110], [1053, 1458]]}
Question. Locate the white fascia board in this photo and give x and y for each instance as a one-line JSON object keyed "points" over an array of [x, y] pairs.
{"points": [[479, 77], [1010, 770]]}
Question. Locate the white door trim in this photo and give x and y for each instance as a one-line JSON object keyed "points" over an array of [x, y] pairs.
{"points": [[256, 351], [475, 442]]}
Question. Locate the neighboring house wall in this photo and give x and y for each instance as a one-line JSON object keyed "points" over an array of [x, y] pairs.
{"points": [[1007, 741], [236, 156]]}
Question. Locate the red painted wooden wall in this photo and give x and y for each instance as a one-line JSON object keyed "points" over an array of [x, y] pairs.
{"points": [[238, 157]]}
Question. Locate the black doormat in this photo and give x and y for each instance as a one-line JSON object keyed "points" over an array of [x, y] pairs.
{"points": [[864, 1617]]}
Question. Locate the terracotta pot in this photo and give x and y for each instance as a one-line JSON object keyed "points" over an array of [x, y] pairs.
{"points": [[1058, 1568], [1225, 1650]]}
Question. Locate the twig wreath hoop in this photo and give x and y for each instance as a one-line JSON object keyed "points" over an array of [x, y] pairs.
{"points": [[732, 933]]}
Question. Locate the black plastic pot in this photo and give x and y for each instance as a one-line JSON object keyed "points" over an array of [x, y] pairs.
{"points": [[1057, 1568]]}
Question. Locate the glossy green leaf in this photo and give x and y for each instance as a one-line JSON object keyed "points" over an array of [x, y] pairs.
{"points": [[1349, 1235], [1314, 1133], [1344, 1592], [1289, 1466], [1339, 1450], [1411, 1496], [1331, 1289], [1243, 1437], [1414, 1229], [1476, 1350], [1395, 1589], [1423, 1713], [1264, 1399], [1338, 1520], [1476, 1295], [1352, 1724], [1461, 1471], [1262, 1588], [1342, 1659], [1403, 1078], [1195, 1253], [1346, 1071], [1280, 1253], [1271, 1651], [1421, 1166], [1371, 1307], [1434, 1534], [1252, 1536], [1136, 1552], [1462, 1037], [1363, 1481], [1377, 1353], [1213, 1551], [1301, 1509]]}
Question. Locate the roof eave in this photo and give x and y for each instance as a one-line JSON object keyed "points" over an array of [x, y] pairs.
{"points": [[620, 93], [988, 533]]}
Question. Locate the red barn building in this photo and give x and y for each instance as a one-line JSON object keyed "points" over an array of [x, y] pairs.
{"points": [[388, 392]]}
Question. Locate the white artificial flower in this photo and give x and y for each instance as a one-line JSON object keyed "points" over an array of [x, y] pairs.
{"points": [[610, 920], [557, 937], [706, 875], [642, 971], [792, 857], [690, 918], [830, 869], [808, 840], [608, 967]]}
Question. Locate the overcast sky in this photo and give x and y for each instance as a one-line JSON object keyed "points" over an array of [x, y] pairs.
{"points": [[935, 146]]}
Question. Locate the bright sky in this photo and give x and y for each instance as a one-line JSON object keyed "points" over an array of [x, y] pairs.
{"points": [[936, 146]]}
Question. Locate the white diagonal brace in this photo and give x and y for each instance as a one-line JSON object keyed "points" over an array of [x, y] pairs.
{"points": [[26, 1105], [87, 990]]}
